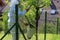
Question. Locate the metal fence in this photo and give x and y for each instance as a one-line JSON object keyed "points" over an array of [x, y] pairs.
{"points": [[18, 27]]}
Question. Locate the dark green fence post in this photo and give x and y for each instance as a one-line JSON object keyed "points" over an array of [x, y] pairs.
{"points": [[57, 25], [16, 12], [45, 25]]}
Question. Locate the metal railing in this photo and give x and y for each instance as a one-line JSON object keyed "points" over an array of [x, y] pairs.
{"points": [[18, 27]]}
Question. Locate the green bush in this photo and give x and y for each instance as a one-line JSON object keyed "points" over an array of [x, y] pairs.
{"points": [[59, 26], [1, 26], [51, 28], [5, 21]]}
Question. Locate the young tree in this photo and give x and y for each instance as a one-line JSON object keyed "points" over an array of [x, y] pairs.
{"points": [[33, 12]]}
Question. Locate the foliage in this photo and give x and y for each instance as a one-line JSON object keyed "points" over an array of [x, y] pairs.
{"points": [[51, 28], [5, 21], [1, 26], [31, 15], [59, 25], [31, 5], [39, 3]]}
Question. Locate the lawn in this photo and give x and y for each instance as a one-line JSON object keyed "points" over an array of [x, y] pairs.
{"points": [[40, 37]]}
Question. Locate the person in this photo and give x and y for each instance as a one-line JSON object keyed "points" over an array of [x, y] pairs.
{"points": [[11, 15]]}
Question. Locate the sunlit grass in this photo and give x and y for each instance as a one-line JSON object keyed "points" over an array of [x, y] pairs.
{"points": [[40, 37]]}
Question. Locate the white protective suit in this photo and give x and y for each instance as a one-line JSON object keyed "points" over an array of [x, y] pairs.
{"points": [[11, 15]]}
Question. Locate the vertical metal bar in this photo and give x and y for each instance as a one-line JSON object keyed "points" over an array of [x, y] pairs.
{"points": [[57, 25], [16, 12], [45, 25]]}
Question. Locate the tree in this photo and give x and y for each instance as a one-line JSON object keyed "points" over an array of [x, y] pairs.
{"points": [[33, 10], [32, 7]]}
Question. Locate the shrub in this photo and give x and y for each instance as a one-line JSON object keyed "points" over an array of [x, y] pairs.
{"points": [[51, 28]]}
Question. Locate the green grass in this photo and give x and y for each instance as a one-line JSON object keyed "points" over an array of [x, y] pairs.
{"points": [[40, 37]]}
